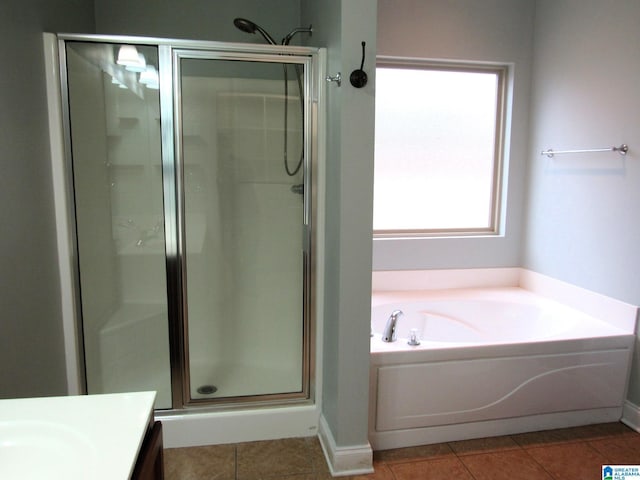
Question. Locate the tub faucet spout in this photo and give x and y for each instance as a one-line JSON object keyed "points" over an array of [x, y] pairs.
{"points": [[389, 334]]}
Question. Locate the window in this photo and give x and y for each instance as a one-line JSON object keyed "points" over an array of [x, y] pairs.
{"points": [[438, 149]]}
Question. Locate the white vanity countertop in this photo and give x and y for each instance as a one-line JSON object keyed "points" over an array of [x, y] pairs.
{"points": [[76, 437]]}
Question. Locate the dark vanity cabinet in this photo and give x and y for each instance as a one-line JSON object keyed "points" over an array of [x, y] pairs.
{"points": [[149, 465]]}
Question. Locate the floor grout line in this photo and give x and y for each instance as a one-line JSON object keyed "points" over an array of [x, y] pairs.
{"points": [[551, 475], [235, 462], [465, 467]]}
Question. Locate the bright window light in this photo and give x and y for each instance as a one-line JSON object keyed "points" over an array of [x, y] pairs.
{"points": [[437, 149]]}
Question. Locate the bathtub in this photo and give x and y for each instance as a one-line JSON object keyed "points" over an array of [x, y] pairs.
{"points": [[492, 361]]}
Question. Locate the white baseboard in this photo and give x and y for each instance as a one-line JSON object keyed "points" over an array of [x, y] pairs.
{"points": [[631, 415], [343, 461]]}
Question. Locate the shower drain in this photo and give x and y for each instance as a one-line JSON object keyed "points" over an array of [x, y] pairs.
{"points": [[207, 389]]}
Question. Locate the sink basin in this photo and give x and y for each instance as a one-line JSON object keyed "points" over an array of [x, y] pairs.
{"points": [[46, 448], [78, 437]]}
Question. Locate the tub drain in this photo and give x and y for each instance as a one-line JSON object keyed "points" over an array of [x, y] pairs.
{"points": [[207, 389]]}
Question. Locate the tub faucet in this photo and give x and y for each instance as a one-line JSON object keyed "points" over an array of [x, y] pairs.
{"points": [[389, 334]]}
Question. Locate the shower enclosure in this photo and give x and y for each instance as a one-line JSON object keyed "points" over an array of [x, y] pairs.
{"points": [[193, 244]]}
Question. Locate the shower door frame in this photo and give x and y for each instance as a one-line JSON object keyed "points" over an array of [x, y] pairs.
{"points": [[248, 54], [169, 52]]}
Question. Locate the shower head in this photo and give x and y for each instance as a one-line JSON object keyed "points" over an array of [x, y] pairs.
{"points": [[249, 27], [245, 25]]}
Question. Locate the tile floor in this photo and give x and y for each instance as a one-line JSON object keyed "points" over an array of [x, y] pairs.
{"points": [[566, 454]]}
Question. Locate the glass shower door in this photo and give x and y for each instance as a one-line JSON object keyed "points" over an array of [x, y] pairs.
{"points": [[244, 223], [114, 124]]}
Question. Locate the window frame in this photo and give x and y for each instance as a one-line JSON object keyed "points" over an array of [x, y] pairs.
{"points": [[502, 72]]}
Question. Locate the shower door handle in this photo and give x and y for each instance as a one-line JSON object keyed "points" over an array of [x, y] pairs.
{"points": [[306, 238]]}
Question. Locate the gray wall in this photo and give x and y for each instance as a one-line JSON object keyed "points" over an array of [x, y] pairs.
{"points": [[583, 225], [498, 31], [341, 26], [31, 343], [197, 19]]}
